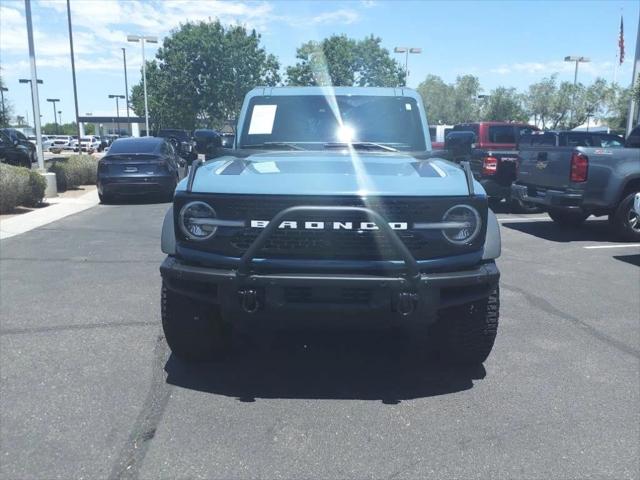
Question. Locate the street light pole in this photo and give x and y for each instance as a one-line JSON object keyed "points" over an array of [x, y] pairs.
{"points": [[578, 60], [73, 70], [55, 119], [117, 110], [407, 51], [60, 117], [126, 87], [27, 80], [142, 39], [34, 84], [4, 112]]}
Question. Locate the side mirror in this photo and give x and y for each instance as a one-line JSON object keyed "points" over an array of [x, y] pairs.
{"points": [[459, 144]]}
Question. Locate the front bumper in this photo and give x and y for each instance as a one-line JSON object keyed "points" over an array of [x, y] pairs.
{"points": [[323, 291], [555, 199]]}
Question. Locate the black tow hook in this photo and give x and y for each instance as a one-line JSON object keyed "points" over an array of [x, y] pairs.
{"points": [[406, 303], [249, 300]]}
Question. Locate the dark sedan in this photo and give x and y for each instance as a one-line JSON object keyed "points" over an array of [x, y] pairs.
{"points": [[16, 149], [137, 166]]}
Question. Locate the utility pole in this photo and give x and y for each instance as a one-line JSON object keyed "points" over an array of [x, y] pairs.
{"points": [[117, 110], [4, 112], [28, 80], [578, 60], [34, 85], [126, 88], [633, 104], [73, 70], [142, 39], [407, 51]]}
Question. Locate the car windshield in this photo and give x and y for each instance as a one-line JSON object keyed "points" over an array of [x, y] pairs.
{"points": [[133, 146], [315, 122]]}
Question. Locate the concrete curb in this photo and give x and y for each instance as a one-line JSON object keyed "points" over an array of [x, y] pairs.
{"points": [[58, 208]]}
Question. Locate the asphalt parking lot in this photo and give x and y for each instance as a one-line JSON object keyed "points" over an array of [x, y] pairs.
{"points": [[89, 388]]}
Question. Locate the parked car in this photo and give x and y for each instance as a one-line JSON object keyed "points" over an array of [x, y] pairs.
{"points": [[492, 155], [288, 226], [87, 144], [13, 152], [19, 139], [137, 166], [182, 141], [47, 141], [438, 134], [573, 181], [61, 143]]}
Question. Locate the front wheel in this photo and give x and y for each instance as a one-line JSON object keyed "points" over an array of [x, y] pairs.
{"points": [[195, 330], [626, 221], [568, 219], [465, 334]]}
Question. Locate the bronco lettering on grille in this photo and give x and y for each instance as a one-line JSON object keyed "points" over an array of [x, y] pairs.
{"points": [[316, 225]]}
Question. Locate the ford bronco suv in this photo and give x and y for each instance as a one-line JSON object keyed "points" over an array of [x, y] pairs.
{"points": [[330, 208]]}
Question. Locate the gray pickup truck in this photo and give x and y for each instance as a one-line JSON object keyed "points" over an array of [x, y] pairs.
{"points": [[574, 182], [330, 209]]}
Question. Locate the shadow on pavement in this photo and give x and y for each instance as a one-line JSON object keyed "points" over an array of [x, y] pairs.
{"points": [[389, 365], [630, 259], [592, 230]]}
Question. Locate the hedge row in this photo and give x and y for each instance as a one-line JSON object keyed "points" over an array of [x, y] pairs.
{"points": [[74, 171], [20, 186]]}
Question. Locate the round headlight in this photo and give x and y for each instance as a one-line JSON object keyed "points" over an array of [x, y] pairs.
{"points": [[197, 221], [464, 224]]}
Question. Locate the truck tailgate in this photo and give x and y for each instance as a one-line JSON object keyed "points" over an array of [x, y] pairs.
{"points": [[549, 168]]}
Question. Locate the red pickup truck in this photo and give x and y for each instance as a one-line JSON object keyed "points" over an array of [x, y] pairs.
{"points": [[493, 156]]}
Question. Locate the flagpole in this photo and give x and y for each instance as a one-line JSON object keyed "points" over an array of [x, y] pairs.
{"points": [[634, 79]]}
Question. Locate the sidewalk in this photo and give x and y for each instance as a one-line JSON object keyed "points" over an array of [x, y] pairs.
{"points": [[59, 207]]}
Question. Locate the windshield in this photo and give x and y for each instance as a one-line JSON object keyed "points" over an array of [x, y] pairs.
{"points": [[310, 122], [139, 145]]}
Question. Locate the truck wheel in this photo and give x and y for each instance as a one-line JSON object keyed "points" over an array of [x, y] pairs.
{"points": [[568, 219], [195, 331], [465, 334], [626, 221], [518, 206]]}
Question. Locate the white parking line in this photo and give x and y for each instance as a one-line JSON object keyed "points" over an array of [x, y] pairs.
{"points": [[523, 219], [627, 245]]}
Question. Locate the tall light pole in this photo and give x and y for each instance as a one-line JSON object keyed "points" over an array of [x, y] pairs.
{"points": [[633, 104], [60, 117], [55, 119], [73, 70], [33, 108], [34, 84], [407, 51], [142, 39], [126, 86], [117, 109], [578, 61], [4, 112]]}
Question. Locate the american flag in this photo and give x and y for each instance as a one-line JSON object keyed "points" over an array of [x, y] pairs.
{"points": [[621, 42]]}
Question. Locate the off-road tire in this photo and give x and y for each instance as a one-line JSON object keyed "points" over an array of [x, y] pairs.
{"points": [[621, 220], [464, 335], [195, 331], [568, 219]]}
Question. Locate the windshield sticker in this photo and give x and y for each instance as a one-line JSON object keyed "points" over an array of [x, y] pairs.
{"points": [[262, 119]]}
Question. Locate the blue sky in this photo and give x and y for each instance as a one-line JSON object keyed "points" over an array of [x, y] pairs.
{"points": [[509, 43]]}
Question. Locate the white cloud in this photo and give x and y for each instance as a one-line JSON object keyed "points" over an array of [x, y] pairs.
{"points": [[545, 69], [345, 16]]}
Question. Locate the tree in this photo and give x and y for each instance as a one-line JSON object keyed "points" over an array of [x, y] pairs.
{"points": [[437, 96], [5, 115], [504, 104], [342, 61], [451, 103], [201, 74]]}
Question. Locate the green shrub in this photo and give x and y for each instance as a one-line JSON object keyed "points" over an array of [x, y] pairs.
{"points": [[20, 186], [75, 171]]}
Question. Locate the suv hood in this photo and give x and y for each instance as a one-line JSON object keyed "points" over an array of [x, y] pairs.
{"points": [[330, 173]]}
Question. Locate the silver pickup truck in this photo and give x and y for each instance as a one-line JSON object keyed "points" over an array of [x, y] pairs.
{"points": [[574, 182]]}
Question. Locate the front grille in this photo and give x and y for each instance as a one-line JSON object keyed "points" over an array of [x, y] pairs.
{"points": [[329, 244]]}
